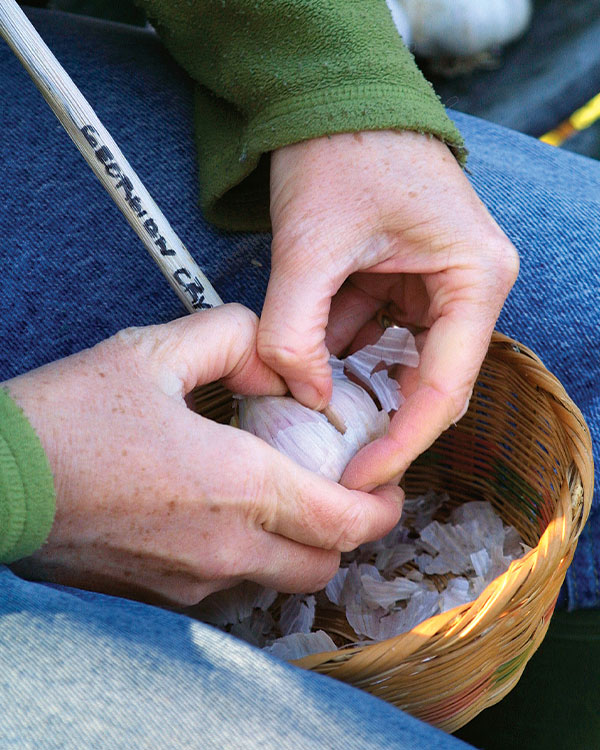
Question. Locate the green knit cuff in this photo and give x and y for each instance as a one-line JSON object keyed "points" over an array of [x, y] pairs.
{"points": [[234, 177], [27, 500], [270, 73]]}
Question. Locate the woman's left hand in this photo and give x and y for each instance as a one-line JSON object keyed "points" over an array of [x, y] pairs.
{"points": [[362, 221]]}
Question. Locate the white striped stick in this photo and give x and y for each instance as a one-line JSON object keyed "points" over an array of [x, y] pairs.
{"points": [[106, 160]]}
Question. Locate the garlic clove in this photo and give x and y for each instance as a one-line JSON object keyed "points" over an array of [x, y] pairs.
{"points": [[300, 433], [307, 436], [317, 447], [353, 406]]}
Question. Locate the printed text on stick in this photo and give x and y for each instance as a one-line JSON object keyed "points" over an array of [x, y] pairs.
{"points": [[188, 282]]}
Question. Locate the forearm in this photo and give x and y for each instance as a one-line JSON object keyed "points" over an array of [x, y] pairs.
{"points": [[277, 72]]}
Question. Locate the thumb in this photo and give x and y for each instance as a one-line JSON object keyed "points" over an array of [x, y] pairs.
{"points": [[291, 333], [216, 344]]}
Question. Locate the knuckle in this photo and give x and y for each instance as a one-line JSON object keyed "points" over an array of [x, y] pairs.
{"points": [[355, 528], [499, 265], [456, 400], [275, 349], [133, 339], [314, 574], [243, 319], [508, 265], [243, 325], [272, 349], [456, 404], [138, 344], [123, 354], [453, 404], [462, 409], [316, 518], [129, 337], [255, 488]]}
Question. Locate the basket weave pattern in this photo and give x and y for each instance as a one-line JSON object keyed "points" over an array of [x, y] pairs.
{"points": [[524, 446]]}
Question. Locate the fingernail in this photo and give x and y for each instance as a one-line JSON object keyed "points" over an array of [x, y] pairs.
{"points": [[391, 492], [308, 395], [465, 408]]}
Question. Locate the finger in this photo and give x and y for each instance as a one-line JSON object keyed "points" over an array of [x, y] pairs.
{"points": [[290, 567], [273, 493], [370, 333], [317, 512], [209, 345], [451, 358], [291, 334], [350, 309]]}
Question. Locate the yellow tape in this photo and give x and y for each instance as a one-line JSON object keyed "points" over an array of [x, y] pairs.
{"points": [[579, 120], [587, 115], [554, 138]]}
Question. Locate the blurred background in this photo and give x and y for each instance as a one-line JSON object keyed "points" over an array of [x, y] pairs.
{"points": [[533, 83]]}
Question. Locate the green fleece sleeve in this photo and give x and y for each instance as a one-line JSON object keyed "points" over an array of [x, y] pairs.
{"points": [[274, 72], [26, 485]]}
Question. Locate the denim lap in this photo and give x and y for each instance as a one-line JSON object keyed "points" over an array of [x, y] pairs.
{"points": [[91, 667]]}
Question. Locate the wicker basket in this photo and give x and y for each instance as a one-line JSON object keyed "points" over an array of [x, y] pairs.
{"points": [[524, 446]]}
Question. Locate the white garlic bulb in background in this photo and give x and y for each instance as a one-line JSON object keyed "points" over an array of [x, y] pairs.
{"points": [[325, 442], [400, 20], [463, 28]]}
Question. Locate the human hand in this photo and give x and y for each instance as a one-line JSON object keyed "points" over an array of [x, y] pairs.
{"points": [[368, 220], [157, 502]]}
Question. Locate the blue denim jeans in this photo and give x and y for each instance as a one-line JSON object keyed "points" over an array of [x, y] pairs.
{"points": [[86, 670]]}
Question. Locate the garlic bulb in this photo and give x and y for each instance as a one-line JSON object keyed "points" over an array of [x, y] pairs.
{"points": [[308, 436], [462, 28], [325, 442]]}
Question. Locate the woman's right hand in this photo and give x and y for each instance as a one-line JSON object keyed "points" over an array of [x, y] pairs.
{"points": [[158, 503]]}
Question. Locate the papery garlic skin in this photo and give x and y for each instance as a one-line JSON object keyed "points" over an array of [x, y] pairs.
{"points": [[306, 436], [300, 433], [353, 406], [395, 346]]}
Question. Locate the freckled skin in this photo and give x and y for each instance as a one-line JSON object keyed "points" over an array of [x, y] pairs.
{"points": [[367, 222], [157, 503]]}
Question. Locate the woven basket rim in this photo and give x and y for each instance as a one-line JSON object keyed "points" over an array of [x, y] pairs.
{"points": [[524, 445], [580, 490]]}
